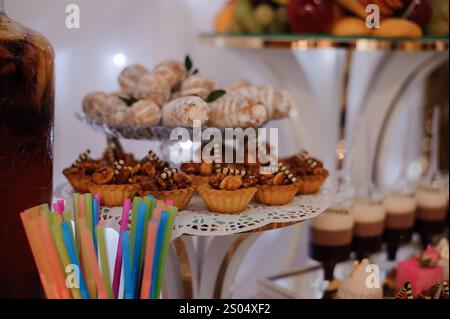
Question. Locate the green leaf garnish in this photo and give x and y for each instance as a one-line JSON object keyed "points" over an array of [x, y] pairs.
{"points": [[215, 95], [195, 72], [129, 101], [424, 263], [188, 63]]}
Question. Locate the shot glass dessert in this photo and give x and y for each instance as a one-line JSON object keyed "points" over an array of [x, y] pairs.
{"points": [[400, 215], [331, 239], [432, 208], [369, 217]]}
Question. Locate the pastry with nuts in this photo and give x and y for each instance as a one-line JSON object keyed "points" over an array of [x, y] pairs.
{"points": [[200, 173], [278, 188], [169, 184], [310, 171], [112, 183], [79, 174], [229, 194], [114, 152]]}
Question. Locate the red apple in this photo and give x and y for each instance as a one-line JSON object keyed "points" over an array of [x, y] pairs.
{"points": [[310, 16]]}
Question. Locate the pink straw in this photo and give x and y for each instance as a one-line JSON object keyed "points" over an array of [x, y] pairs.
{"points": [[61, 205], [169, 202], [58, 208], [118, 263]]}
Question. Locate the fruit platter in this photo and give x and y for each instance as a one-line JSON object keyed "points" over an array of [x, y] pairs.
{"points": [[362, 18]]}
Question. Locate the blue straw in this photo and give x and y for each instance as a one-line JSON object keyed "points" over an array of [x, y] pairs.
{"points": [[126, 257], [70, 245], [95, 221], [158, 246], [137, 253]]}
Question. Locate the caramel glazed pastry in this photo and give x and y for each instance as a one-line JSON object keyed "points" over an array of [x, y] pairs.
{"points": [[79, 174], [201, 173], [229, 193], [119, 181], [168, 184], [278, 188], [310, 171]]}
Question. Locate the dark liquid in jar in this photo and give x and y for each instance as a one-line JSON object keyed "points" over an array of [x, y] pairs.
{"points": [[26, 153]]}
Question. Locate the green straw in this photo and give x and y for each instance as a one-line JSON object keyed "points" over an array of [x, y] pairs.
{"points": [[45, 208], [76, 216], [76, 205], [172, 212], [63, 255], [67, 216], [48, 217], [104, 259], [136, 202]]}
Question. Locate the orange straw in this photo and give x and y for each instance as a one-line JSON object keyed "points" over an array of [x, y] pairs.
{"points": [[158, 210], [53, 258], [92, 261], [152, 230], [37, 253]]}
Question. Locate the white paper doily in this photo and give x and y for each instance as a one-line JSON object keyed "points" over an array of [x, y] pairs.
{"points": [[197, 220]]}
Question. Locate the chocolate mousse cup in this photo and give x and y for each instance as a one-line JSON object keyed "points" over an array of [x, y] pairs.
{"points": [[400, 216], [368, 233], [432, 207], [331, 240]]}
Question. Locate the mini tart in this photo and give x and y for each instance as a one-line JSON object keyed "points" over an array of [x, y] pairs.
{"points": [[181, 197], [77, 180], [277, 194], [225, 201], [200, 180], [311, 184], [113, 195]]}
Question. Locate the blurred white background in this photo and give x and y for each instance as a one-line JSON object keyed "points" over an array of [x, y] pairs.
{"points": [[116, 33]]}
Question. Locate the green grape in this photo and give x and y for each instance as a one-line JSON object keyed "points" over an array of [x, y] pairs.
{"points": [[282, 16], [264, 14], [251, 25], [243, 10]]}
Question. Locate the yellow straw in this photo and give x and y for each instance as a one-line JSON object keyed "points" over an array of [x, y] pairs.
{"points": [[92, 261], [104, 258]]}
